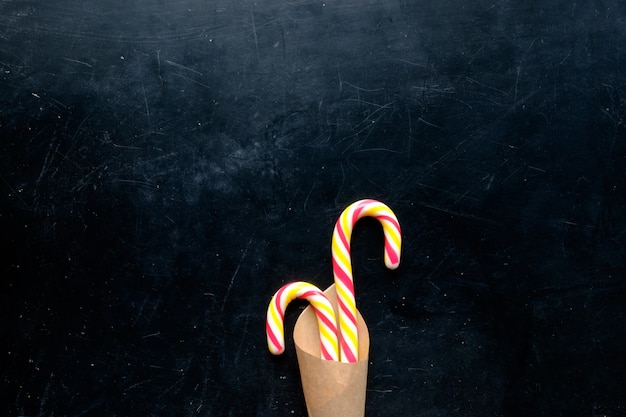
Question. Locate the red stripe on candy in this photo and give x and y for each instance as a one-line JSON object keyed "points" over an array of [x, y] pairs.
{"points": [[346, 352], [357, 214], [327, 322], [325, 354], [393, 256], [348, 314], [342, 235], [272, 337], [343, 277]]}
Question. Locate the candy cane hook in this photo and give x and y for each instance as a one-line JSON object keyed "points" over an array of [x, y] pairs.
{"points": [[275, 326], [342, 266]]}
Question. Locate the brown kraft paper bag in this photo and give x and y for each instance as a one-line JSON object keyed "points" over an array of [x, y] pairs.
{"points": [[331, 389]]}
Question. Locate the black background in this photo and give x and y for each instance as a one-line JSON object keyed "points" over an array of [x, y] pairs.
{"points": [[167, 165]]}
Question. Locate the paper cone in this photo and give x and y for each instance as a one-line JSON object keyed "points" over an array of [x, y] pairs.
{"points": [[331, 389]]}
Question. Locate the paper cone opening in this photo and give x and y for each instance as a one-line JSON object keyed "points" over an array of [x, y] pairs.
{"points": [[331, 389]]}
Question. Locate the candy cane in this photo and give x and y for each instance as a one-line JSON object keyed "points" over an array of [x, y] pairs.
{"points": [[342, 266], [326, 321]]}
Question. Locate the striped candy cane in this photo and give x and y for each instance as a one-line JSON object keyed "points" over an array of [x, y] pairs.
{"points": [[342, 266], [326, 320]]}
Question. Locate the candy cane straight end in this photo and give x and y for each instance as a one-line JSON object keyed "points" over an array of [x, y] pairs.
{"points": [[274, 329]]}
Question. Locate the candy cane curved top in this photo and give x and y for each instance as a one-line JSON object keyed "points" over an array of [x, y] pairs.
{"points": [[324, 311], [342, 266]]}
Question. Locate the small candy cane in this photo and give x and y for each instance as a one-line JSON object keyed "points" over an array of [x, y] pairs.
{"points": [[326, 320], [342, 266]]}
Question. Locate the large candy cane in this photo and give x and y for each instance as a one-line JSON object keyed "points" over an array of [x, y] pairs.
{"points": [[326, 320], [342, 266]]}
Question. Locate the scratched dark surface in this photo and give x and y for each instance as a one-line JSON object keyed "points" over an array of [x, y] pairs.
{"points": [[165, 166]]}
